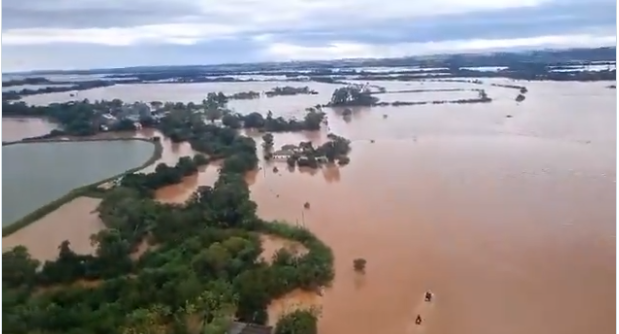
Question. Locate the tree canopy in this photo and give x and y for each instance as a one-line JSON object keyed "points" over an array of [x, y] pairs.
{"points": [[352, 95]]}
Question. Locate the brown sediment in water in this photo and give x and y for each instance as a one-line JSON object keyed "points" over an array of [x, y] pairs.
{"points": [[471, 224], [271, 244], [18, 128], [142, 248], [497, 218], [510, 222], [295, 300], [74, 221], [180, 193]]}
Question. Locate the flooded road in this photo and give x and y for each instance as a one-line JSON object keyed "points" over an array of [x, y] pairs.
{"points": [[509, 221]]}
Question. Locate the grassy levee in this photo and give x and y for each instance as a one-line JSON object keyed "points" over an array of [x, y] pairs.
{"points": [[87, 190], [72, 140]]}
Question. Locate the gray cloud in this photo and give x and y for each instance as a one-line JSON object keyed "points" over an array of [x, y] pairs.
{"points": [[248, 30], [93, 14]]}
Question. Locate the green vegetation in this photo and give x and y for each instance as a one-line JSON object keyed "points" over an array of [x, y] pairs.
{"points": [[188, 125], [359, 265], [353, 95], [288, 90], [298, 322], [357, 95], [164, 175], [75, 118], [267, 144], [65, 87], [204, 272], [306, 155], [310, 122], [244, 95], [86, 190]]}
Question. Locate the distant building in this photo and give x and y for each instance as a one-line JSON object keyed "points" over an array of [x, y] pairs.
{"points": [[282, 154], [107, 120], [291, 148]]}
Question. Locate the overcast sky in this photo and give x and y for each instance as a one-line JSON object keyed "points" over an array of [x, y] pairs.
{"points": [[77, 34]]}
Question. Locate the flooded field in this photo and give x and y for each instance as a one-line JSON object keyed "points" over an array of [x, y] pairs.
{"points": [[510, 221], [35, 174], [75, 221], [18, 128]]}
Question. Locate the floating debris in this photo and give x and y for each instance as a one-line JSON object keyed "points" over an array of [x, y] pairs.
{"points": [[306, 205], [275, 169], [509, 116]]}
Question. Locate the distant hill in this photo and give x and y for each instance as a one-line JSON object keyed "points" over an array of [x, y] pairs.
{"points": [[523, 58]]}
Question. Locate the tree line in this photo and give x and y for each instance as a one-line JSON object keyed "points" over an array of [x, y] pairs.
{"points": [[72, 86]]}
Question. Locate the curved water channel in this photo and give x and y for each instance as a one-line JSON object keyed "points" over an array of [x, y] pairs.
{"points": [[509, 221]]}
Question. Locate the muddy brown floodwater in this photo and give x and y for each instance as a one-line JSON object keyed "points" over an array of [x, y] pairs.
{"points": [[74, 221], [509, 221], [18, 128]]}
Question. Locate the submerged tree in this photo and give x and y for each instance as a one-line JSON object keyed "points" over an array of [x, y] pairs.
{"points": [[298, 322], [359, 265], [353, 95]]}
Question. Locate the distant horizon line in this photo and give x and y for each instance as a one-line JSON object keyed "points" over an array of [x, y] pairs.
{"points": [[359, 59]]}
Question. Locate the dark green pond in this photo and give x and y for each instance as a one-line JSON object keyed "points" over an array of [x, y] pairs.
{"points": [[37, 173]]}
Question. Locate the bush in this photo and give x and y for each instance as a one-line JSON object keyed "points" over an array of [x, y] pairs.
{"points": [[298, 322], [359, 264]]}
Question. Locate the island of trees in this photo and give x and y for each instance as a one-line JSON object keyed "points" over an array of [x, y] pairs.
{"points": [[57, 88], [351, 96], [358, 95], [201, 273], [85, 118], [288, 90], [306, 155], [244, 95]]}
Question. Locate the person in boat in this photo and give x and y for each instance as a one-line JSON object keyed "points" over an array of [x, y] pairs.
{"points": [[418, 319], [428, 296]]}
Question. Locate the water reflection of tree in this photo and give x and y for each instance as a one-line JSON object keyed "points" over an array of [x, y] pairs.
{"points": [[331, 173], [308, 170]]}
